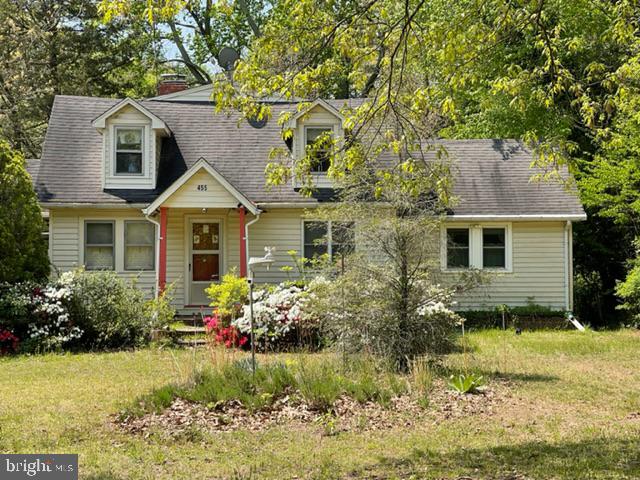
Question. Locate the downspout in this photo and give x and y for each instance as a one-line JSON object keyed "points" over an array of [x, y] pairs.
{"points": [[567, 250], [157, 224], [246, 238]]}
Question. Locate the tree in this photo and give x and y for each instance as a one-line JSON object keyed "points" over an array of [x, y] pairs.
{"points": [[197, 30], [390, 297], [23, 250], [49, 48], [551, 72]]}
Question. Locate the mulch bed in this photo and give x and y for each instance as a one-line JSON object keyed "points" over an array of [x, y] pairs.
{"points": [[346, 414]]}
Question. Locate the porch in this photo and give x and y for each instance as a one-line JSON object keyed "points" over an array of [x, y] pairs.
{"points": [[202, 229], [197, 246]]}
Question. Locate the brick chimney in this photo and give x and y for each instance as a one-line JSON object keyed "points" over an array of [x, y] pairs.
{"points": [[171, 83]]}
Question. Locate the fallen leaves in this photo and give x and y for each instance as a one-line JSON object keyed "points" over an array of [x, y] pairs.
{"points": [[189, 418]]}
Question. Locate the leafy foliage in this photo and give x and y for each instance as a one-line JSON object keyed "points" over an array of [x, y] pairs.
{"points": [[23, 251], [229, 296], [466, 382], [110, 310], [629, 290], [48, 48]]}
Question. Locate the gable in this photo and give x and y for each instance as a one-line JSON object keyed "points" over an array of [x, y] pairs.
{"points": [[201, 191], [126, 107], [130, 115]]}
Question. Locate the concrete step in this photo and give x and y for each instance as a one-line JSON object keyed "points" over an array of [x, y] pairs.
{"points": [[188, 329], [192, 342]]}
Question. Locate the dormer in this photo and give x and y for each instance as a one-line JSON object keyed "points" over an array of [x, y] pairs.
{"points": [[131, 137], [319, 118]]}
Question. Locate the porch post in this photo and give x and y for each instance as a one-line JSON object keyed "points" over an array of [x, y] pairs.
{"points": [[243, 244], [162, 267]]}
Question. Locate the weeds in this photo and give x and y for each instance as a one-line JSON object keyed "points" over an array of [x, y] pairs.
{"points": [[466, 382]]}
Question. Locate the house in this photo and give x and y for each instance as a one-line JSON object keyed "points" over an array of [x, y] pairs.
{"points": [[165, 190]]}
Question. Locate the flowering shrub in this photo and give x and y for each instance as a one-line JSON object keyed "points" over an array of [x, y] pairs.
{"points": [[360, 314], [279, 316], [80, 310], [52, 327], [8, 342], [228, 335]]}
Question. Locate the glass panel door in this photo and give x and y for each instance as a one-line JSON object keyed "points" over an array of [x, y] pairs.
{"points": [[204, 261]]}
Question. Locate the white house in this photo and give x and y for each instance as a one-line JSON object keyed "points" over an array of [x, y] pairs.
{"points": [[164, 190]]}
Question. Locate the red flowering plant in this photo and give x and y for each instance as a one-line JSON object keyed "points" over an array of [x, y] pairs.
{"points": [[8, 342], [222, 334]]}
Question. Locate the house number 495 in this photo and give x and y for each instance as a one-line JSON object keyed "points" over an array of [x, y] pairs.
{"points": [[202, 188]]}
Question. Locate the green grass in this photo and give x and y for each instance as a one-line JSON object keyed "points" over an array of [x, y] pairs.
{"points": [[570, 417]]}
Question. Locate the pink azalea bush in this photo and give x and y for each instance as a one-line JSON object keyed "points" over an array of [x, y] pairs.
{"points": [[222, 334]]}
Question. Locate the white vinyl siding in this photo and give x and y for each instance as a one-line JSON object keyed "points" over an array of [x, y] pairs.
{"points": [[67, 241], [538, 262], [537, 275], [201, 191]]}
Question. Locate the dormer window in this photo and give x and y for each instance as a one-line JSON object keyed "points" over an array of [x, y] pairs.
{"points": [[321, 158], [129, 152]]}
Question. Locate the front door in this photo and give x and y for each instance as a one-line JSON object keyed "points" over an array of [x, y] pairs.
{"points": [[204, 259]]}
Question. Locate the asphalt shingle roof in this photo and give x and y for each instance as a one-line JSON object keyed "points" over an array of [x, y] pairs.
{"points": [[491, 176]]}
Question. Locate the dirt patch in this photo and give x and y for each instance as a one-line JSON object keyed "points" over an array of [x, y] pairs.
{"points": [[184, 417]]}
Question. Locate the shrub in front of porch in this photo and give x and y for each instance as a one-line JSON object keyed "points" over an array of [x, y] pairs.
{"points": [[280, 319]]}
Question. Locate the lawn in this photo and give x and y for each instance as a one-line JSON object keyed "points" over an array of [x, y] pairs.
{"points": [[573, 413]]}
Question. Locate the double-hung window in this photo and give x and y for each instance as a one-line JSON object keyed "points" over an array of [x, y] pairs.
{"points": [[494, 248], [317, 140], [330, 238], [477, 246], [139, 245], [99, 251], [129, 150], [458, 248]]}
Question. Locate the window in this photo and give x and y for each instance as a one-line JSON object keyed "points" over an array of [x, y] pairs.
{"points": [[333, 238], [343, 238], [316, 240], [139, 245], [320, 150], [457, 248], [487, 247], [98, 245], [494, 248], [129, 151]]}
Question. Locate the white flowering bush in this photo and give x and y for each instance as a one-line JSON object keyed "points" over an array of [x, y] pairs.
{"points": [[360, 313], [80, 310], [52, 327], [280, 317]]}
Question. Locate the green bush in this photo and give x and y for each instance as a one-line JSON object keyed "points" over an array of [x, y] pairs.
{"points": [[110, 310], [629, 290], [17, 307], [159, 310], [492, 318], [23, 250], [229, 296]]}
